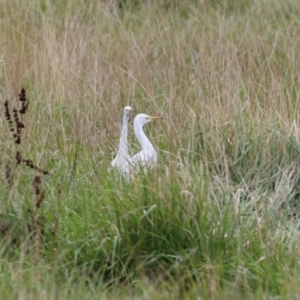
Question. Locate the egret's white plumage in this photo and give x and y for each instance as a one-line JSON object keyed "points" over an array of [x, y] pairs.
{"points": [[148, 156], [122, 156]]}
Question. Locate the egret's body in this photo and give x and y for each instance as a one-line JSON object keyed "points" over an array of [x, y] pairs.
{"points": [[122, 156], [147, 157]]}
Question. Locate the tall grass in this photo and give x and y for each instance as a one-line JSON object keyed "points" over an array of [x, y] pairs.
{"points": [[218, 217]]}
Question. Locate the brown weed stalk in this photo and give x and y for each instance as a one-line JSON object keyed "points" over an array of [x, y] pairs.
{"points": [[14, 117], [16, 126], [17, 116], [36, 222]]}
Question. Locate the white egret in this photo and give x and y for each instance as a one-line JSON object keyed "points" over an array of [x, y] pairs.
{"points": [[122, 156], [148, 156]]}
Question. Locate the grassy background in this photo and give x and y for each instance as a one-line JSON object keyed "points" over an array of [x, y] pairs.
{"points": [[218, 217]]}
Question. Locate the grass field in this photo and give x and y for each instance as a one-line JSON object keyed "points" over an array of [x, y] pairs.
{"points": [[219, 216]]}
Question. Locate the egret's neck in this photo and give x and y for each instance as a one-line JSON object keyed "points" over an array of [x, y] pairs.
{"points": [[123, 139], [143, 140]]}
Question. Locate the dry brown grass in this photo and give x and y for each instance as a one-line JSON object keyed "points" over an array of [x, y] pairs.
{"points": [[201, 71]]}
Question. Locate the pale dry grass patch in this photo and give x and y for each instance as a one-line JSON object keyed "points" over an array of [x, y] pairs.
{"points": [[208, 73], [217, 79]]}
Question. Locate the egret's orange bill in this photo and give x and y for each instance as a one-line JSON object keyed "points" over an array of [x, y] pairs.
{"points": [[155, 118]]}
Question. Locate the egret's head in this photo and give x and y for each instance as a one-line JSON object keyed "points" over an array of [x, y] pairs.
{"points": [[142, 119], [128, 110]]}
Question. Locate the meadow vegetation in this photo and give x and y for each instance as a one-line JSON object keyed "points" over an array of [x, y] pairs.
{"points": [[218, 218]]}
